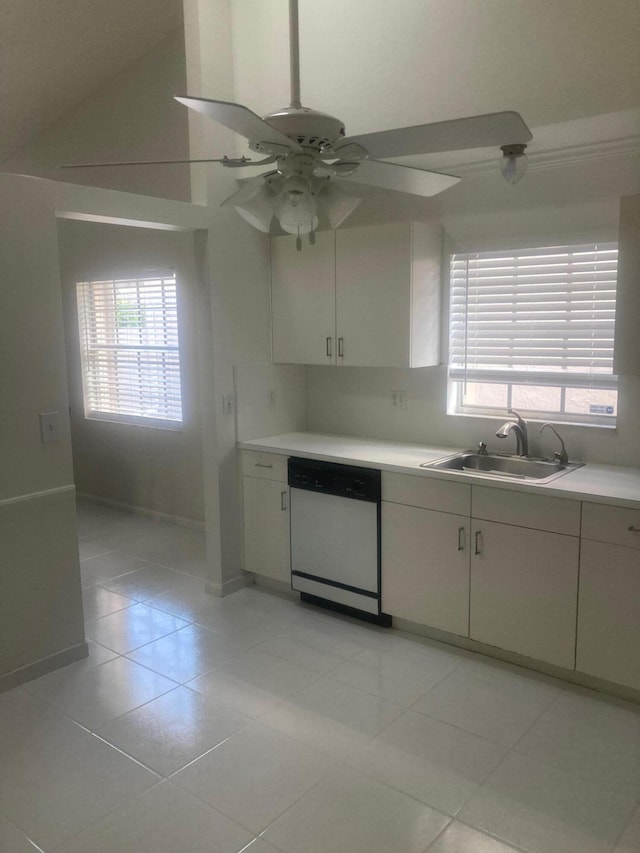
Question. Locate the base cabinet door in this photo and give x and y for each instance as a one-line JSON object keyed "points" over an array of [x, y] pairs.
{"points": [[266, 528], [609, 613], [524, 588], [425, 567]]}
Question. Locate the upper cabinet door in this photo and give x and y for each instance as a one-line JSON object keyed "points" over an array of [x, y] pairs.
{"points": [[388, 295], [626, 360], [373, 299], [303, 300]]}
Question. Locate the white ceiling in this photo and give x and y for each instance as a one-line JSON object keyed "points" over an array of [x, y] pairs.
{"points": [[55, 53], [379, 65]]}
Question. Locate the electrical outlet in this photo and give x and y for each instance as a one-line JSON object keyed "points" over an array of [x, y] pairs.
{"points": [[399, 399], [227, 404], [49, 426]]}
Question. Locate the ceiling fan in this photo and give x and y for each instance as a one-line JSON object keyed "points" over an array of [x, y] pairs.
{"points": [[311, 155]]}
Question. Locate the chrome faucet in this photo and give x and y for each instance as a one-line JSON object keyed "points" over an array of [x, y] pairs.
{"points": [[560, 455], [519, 427]]}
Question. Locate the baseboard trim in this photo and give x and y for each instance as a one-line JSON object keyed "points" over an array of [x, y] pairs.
{"points": [[179, 520], [580, 679], [38, 496], [221, 590], [43, 666], [281, 588]]}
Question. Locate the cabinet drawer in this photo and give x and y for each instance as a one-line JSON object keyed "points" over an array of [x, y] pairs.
{"points": [[268, 466], [426, 492], [613, 524], [540, 512]]}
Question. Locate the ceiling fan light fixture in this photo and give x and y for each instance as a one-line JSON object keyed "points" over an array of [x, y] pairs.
{"points": [[258, 209], [513, 163], [336, 205], [296, 207]]}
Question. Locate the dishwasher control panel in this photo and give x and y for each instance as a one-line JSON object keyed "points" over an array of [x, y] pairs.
{"points": [[348, 481]]}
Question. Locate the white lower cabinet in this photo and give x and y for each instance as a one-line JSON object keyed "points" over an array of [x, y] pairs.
{"points": [[266, 528], [609, 602], [524, 586], [425, 567]]}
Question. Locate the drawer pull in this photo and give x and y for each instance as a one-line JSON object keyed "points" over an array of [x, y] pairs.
{"points": [[461, 539], [340, 347], [329, 347], [262, 465], [633, 529], [478, 549]]}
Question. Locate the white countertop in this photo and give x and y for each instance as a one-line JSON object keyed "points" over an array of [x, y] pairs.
{"points": [[609, 484]]}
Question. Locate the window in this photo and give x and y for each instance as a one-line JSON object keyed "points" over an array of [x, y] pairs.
{"points": [[130, 355], [533, 329]]}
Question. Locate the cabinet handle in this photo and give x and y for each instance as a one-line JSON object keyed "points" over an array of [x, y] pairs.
{"points": [[461, 539], [262, 465], [478, 549], [329, 347], [283, 501], [633, 529], [340, 347]]}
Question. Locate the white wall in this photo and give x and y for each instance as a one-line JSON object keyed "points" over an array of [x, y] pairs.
{"points": [[155, 469], [40, 594], [133, 117]]}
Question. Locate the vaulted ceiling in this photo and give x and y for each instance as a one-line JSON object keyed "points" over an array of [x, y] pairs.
{"points": [[55, 53]]}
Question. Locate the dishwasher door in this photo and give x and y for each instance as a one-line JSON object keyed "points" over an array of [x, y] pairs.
{"points": [[335, 548]]}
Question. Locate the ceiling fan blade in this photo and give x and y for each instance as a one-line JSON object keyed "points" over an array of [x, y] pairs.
{"points": [[481, 131], [239, 119], [402, 179], [148, 163]]}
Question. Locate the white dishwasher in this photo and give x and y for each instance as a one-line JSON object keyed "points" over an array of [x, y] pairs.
{"points": [[335, 536]]}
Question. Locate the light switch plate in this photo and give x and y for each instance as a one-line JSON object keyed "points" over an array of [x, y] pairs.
{"points": [[50, 426]]}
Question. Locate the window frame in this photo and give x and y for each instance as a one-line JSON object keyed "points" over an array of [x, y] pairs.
{"points": [[169, 323], [565, 380]]}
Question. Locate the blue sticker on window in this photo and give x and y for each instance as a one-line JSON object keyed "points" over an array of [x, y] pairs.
{"points": [[598, 409]]}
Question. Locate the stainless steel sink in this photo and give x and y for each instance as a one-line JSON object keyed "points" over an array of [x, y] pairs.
{"points": [[501, 466]]}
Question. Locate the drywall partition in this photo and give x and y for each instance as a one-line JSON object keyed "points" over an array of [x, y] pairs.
{"points": [[40, 599], [237, 265], [145, 467]]}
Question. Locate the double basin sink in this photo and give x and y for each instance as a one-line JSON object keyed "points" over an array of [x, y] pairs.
{"points": [[502, 466]]}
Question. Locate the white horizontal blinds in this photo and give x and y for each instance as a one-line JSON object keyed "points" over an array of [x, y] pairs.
{"points": [[547, 313], [129, 337]]}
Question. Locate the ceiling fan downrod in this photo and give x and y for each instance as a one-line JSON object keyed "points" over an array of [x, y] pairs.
{"points": [[294, 54]]}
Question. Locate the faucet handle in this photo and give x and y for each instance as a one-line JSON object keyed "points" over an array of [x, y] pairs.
{"points": [[482, 448]]}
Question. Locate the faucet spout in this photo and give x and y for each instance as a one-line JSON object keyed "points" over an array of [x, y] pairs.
{"points": [[519, 428]]}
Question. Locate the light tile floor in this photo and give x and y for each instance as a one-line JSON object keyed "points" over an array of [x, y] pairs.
{"points": [[257, 724]]}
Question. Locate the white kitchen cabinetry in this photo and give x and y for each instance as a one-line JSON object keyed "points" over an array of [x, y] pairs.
{"points": [[266, 515], [303, 300], [524, 577], [424, 552], [609, 604], [366, 297]]}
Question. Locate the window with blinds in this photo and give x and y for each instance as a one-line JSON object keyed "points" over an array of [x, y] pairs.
{"points": [[130, 350], [534, 329]]}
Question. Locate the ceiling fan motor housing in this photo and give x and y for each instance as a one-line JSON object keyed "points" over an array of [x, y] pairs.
{"points": [[309, 128]]}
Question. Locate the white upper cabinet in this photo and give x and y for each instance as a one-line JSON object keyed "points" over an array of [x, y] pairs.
{"points": [[367, 297], [626, 359], [303, 300]]}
